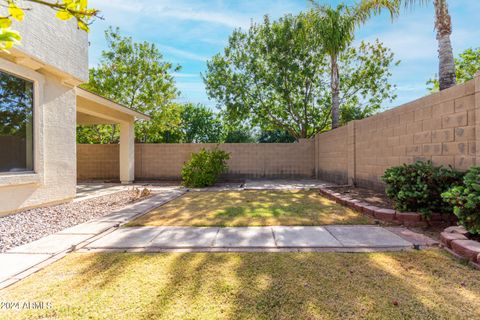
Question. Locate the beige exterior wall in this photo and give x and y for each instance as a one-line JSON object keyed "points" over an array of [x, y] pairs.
{"points": [[165, 161], [440, 127], [54, 176], [54, 55], [58, 44]]}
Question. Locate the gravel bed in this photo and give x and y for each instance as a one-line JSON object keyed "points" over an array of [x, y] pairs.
{"points": [[30, 225]]}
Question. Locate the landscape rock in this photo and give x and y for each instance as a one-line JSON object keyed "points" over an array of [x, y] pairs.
{"points": [[30, 225]]}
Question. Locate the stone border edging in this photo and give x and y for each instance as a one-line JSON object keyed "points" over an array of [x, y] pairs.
{"points": [[411, 219], [455, 241]]}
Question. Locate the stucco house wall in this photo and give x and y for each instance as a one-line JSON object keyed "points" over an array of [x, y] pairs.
{"points": [[54, 56], [59, 44]]}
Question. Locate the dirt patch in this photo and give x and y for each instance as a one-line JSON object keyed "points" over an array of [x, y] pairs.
{"points": [[375, 198]]}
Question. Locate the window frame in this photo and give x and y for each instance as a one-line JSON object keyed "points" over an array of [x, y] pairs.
{"points": [[35, 176]]}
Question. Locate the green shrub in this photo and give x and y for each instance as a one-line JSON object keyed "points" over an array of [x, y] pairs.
{"points": [[465, 200], [204, 168], [418, 187]]}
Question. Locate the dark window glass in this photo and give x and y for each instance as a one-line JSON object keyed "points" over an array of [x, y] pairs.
{"points": [[16, 124]]}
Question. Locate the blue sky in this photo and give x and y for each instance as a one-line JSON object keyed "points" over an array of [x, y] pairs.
{"points": [[189, 32]]}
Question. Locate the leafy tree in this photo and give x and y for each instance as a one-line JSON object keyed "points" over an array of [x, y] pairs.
{"points": [[65, 10], [200, 125], [466, 65], [365, 86], [275, 136], [335, 28], [241, 134], [277, 76], [269, 75], [164, 126], [135, 75]]}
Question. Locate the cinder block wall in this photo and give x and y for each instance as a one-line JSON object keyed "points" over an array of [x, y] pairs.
{"points": [[165, 161], [331, 155], [440, 127], [98, 162]]}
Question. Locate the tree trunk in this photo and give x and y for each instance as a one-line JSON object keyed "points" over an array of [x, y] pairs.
{"points": [[443, 25], [335, 84], [112, 136]]}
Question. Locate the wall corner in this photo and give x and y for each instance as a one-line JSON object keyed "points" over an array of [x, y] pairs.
{"points": [[351, 167], [315, 155], [477, 118]]}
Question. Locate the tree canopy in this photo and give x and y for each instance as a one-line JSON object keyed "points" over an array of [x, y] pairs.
{"points": [[200, 124], [277, 76], [136, 75], [335, 28]]}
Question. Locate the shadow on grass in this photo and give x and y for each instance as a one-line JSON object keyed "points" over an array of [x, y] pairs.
{"points": [[416, 285]]}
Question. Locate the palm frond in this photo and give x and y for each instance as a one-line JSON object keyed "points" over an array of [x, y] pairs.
{"points": [[413, 3], [366, 8]]}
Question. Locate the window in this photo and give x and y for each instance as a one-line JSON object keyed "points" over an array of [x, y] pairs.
{"points": [[16, 124]]}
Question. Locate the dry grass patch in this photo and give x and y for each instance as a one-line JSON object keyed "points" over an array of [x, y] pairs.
{"points": [[251, 208], [402, 285]]}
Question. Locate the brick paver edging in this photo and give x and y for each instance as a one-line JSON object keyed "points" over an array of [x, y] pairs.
{"points": [[455, 240], [405, 218]]}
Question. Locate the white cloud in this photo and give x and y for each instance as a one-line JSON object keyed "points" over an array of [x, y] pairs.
{"points": [[186, 75], [409, 41], [191, 87], [183, 53], [415, 87], [177, 9]]}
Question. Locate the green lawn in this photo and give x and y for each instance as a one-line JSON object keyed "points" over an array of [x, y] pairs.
{"points": [[402, 285], [251, 208]]}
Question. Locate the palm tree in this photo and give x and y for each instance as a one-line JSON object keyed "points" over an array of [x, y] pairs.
{"points": [[443, 27], [336, 30]]}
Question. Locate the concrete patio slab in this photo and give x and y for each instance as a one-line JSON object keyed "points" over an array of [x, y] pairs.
{"points": [[127, 238], [92, 228], [13, 263], [282, 184], [86, 191], [245, 237], [185, 237], [151, 203], [225, 186], [52, 244], [118, 217], [366, 236], [304, 237]]}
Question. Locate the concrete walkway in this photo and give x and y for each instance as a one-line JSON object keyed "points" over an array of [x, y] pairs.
{"points": [[345, 238], [90, 190], [284, 184], [19, 262]]}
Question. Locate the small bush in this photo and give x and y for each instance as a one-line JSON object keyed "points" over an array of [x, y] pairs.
{"points": [[204, 168], [465, 200], [418, 187]]}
